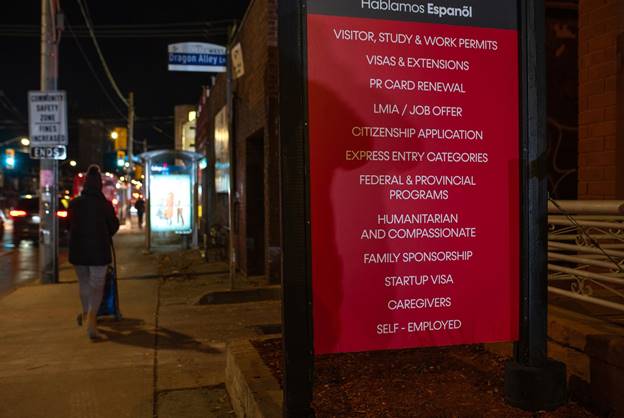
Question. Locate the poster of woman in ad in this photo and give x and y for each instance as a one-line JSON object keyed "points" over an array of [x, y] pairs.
{"points": [[171, 203]]}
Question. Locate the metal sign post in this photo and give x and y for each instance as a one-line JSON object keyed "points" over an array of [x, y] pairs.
{"points": [[296, 268], [532, 381], [146, 195], [232, 173]]}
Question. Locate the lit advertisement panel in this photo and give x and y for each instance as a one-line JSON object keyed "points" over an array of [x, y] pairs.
{"points": [[170, 206]]}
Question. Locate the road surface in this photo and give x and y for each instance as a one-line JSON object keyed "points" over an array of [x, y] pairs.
{"points": [[20, 266]]}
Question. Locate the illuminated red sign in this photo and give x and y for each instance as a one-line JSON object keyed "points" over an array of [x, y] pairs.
{"points": [[414, 173]]}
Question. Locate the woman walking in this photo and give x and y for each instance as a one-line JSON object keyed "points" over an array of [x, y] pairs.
{"points": [[92, 224]]}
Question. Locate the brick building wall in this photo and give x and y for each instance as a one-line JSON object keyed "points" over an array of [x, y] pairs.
{"points": [[601, 23], [180, 117], [255, 128], [214, 207], [249, 114]]}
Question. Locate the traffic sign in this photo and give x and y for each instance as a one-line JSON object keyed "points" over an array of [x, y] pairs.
{"points": [[47, 114], [58, 152]]}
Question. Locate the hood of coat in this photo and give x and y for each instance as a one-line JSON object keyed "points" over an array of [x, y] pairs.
{"points": [[91, 192]]}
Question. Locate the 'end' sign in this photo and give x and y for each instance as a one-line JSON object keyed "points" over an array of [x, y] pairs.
{"points": [[58, 152]]}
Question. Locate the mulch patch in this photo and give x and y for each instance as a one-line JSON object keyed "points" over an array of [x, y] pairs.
{"points": [[450, 382]]}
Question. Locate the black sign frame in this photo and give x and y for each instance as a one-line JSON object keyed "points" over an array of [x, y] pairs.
{"points": [[532, 381]]}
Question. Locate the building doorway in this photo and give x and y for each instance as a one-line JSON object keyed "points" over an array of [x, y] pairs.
{"points": [[254, 203]]}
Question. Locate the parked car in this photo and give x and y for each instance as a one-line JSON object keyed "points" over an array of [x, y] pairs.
{"points": [[26, 219], [3, 221]]}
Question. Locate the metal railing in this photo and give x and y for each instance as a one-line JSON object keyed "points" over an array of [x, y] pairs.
{"points": [[586, 252]]}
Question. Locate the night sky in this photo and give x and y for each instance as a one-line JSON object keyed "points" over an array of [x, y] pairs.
{"points": [[138, 64]]}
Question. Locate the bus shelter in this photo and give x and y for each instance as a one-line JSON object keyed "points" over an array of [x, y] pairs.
{"points": [[171, 198]]}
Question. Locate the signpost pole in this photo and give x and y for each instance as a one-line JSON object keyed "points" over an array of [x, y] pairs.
{"points": [[148, 207], [48, 245], [130, 149], [296, 267], [130, 144], [532, 381], [231, 186]]}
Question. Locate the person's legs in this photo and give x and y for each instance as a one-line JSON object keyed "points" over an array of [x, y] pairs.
{"points": [[97, 279], [84, 284]]}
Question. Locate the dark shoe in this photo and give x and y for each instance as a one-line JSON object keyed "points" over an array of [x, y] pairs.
{"points": [[79, 319], [92, 331], [96, 337]]}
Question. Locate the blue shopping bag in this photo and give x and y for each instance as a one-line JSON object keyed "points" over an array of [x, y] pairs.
{"points": [[110, 300]]}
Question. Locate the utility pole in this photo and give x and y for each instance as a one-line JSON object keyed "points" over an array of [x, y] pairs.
{"points": [[131, 132], [48, 174], [130, 150]]}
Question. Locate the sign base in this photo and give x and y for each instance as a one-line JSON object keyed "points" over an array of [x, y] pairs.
{"points": [[536, 388]]}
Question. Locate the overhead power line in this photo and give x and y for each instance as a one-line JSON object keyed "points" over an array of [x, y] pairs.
{"points": [[159, 35], [138, 26], [163, 133], [12, 122], [87, 20], [149, 30], [6, 102], [125, 35], [93, 72], [146, 120]]}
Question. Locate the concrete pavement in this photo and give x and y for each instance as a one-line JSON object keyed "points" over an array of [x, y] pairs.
{"points": [[50, 369], [165, 359]]}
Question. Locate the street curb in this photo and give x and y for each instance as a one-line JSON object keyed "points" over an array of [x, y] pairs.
{"points": [[259, 294], [253, 390]]}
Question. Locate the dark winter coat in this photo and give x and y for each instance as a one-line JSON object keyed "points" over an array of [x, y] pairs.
{"points": [[140, 206], [92, 224]]}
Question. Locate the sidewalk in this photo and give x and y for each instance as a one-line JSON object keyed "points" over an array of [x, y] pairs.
{"points": [[165, 359]]}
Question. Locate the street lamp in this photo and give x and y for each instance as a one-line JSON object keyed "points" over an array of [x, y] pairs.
{"points": [[73, 163], [114, 135], [22, 140]]}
